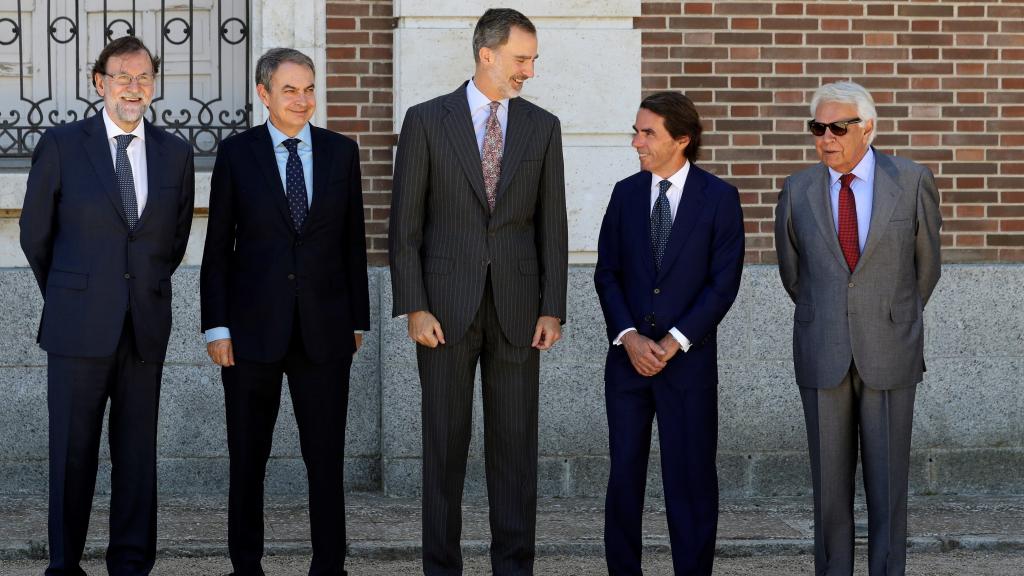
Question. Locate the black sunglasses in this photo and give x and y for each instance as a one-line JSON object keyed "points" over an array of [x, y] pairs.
{"points": [[837, 128]]}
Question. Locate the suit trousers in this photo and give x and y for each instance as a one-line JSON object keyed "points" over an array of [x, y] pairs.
{"points": [[252, 398], [688, 439], [881, 420], [510, 376], [77, 394]]}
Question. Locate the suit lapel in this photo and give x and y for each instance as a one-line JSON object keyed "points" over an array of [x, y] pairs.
{"points": [[321, 169], [98, 150], [691, 204], [458, 125], [518, 132], [883, 203], [641, 218], [154, 169], [263, 155], [818, 196]]}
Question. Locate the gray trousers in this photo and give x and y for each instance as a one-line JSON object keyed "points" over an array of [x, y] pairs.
{"points": [[881, 420], [510, 377]]}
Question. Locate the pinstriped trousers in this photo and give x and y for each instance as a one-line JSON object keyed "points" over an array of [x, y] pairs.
{"points": [[882, 421], [510, 377]]}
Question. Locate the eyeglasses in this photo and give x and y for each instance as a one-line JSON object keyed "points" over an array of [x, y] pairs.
{"points": [[838, 128], [126, 79]]}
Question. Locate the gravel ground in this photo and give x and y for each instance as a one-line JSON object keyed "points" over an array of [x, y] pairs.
{"points": [[957, 563]]}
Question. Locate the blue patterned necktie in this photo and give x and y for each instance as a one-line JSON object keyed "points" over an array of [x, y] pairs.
{"points": [[296, 188], [661, 224], [126, 180]]}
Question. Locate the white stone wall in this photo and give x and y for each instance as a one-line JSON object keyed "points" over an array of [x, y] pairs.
{"points": [[588, 74]]}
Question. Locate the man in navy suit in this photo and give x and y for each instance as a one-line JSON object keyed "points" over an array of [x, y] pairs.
{"points": [[284, 292], [670, 255], [105, 223]]}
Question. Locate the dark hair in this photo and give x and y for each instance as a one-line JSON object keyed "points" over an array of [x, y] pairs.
{"points": [[681, 118], [493, 28], [123, 45], [268, 63]]}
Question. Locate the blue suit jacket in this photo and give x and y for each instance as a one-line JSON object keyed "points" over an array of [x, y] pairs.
{"points": [[699, 276], [89, 265]]}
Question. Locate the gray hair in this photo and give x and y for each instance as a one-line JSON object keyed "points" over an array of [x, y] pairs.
{"points": [[848, 93], [268, 63], [493, 28]]}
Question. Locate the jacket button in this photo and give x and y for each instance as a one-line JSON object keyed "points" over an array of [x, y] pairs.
{"points": [[850, 285], [291, 276], [657, 290], [127, 276]]}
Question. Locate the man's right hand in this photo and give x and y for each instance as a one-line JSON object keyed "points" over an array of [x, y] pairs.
{"points": [[221, 353], [643, 353], [425, 329]]}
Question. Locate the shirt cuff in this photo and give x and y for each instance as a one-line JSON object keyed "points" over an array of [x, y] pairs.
{"points": [[684, 342], [618, 339], [218, 333]]}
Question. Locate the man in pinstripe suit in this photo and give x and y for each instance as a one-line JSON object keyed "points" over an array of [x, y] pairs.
{"points": [[478, 248]]}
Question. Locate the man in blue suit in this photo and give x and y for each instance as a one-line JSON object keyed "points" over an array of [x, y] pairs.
{"points": [[106, 219], [670, 255]]}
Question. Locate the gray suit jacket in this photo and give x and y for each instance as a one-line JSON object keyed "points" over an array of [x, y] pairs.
{"points": [[874, 314], [443, 237]]}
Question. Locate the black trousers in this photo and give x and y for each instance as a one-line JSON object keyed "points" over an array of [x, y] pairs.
{"points": [[77, 394], [510, 387], [252, 398]]}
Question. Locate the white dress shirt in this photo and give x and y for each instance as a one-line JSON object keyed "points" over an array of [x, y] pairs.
{"points": [[674, 194], [136, 156], [479, 108]]}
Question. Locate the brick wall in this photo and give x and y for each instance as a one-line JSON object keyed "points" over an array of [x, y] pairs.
{"points": [[947, 78], [359, 102]]}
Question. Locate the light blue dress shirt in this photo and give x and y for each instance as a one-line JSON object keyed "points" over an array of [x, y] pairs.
{"points": [[305, 151], [479, 109], [863, 187]]}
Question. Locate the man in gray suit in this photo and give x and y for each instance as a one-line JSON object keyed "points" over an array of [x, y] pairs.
{"points": [[858, 242], [478, 248]]}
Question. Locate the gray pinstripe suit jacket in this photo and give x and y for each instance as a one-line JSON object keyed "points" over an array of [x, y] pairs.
{"points": [[443, 237], [872, 315]]}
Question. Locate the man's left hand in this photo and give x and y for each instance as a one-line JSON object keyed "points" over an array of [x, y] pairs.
{"points": [[359, 341], [549, 331], [670, 345]]}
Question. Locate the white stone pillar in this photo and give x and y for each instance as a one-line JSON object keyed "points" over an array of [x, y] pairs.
{"points": [[588, 74]]}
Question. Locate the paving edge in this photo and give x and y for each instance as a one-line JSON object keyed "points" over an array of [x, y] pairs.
{"points": [[410, 550]]}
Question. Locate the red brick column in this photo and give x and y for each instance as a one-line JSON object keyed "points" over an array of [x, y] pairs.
{"points": [[359, 102], [948, 81]]}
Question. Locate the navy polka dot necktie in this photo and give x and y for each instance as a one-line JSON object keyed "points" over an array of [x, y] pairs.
{"points": [[126, 180], [296, 188], [661, 224]]}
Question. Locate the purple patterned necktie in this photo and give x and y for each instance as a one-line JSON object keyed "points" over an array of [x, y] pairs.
{"points": [[491, 160]]}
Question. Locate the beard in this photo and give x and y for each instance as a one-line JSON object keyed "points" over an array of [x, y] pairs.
{"points": [[128, 112]]}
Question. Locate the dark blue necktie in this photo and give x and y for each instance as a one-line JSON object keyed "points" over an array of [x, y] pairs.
{"points": [[661, 223], [126, 180], [296, 184]]}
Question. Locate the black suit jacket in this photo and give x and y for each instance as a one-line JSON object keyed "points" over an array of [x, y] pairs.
{"points": [[257, 270], [444, 237], [87, 262]]}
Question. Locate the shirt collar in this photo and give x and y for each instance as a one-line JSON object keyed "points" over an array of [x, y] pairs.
{"points": [[115, 130], [276, 136], [677, 179], [864, 170], [478, 100]]}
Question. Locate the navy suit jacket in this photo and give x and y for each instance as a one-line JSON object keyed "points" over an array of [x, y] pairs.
{"points": [[257, 270], [87, 262], [699, 276]]}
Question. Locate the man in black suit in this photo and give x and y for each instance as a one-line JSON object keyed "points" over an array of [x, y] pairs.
{"points": [[478, 247], [105, 223], [284, 291]]}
